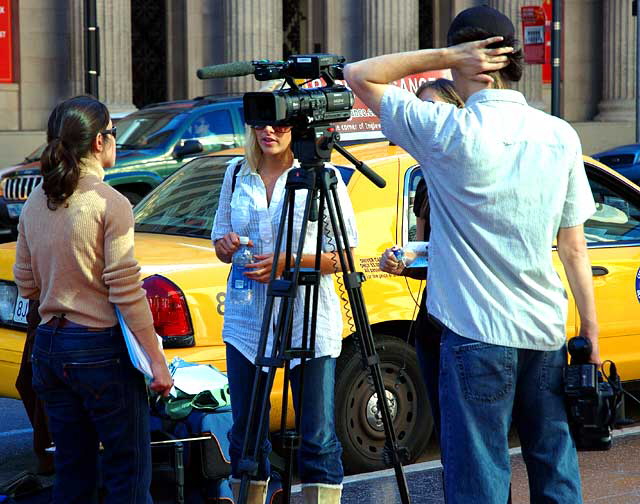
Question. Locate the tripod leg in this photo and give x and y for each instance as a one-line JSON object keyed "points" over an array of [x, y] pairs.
{"points": [[286, 290], [363, 335]]}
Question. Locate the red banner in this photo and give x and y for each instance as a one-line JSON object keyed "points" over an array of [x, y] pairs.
{"points": [[363, 123], [6, 50], [533, 30], [546, 68]]}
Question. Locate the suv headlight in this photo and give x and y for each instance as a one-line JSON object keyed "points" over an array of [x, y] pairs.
{"points": [[8, 296]]}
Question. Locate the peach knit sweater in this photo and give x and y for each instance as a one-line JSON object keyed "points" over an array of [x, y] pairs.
{"points": [[79, 259]]}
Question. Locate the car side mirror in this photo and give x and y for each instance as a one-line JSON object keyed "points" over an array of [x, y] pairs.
{"points": [[189, 148]]}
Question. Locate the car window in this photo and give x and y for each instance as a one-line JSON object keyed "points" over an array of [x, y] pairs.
{"points": [[186, 202], [412, 180], [147, 131], [212, 129], [36, 154], [617, 215]]}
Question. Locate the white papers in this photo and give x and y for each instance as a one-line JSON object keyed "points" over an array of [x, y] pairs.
{"points": [[138, 356], [194, 379]]}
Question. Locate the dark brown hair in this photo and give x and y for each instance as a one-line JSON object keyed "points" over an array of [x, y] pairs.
{"points": [[72, 127], [513, 71]]}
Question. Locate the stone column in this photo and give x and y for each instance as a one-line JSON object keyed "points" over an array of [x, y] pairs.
{"points": [[76, 36], [619, 68], [253, 30], [343, 28], [115, 83], [531, 83], [389, 26]]}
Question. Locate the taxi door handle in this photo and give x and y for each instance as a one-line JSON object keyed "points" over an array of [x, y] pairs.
{"points": [[599, 270]]}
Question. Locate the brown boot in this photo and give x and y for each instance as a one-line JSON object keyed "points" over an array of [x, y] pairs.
{"points": [[321, 494], [257, 491]]}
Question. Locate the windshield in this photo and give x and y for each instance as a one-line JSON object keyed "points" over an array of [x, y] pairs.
{"points": [[186, 202], [36, 154], [148, 130]]}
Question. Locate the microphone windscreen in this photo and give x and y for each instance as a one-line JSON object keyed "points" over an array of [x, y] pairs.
{"points": [[235, 69]]}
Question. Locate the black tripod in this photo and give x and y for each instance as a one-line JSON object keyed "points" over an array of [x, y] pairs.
{"points": [[312, 146]]}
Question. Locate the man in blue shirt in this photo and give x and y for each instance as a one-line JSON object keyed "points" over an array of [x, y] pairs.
{"points": [[505, 181]]}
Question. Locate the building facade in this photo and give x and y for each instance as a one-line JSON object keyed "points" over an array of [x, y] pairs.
{"points": [[151, 49]]}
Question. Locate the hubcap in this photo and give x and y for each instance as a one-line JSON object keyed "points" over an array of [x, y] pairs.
{"points": [[374, 415]]}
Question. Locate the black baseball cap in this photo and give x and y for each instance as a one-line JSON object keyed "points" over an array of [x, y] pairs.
{"points": [[486, 19]]}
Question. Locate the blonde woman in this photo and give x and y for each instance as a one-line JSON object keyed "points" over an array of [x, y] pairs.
{"points": [[253, 209]]}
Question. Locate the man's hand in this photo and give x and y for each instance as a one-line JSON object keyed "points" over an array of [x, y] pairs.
{"points": [[590, 331], [474, 59]]}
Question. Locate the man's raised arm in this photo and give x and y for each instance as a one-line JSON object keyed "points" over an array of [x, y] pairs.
{"points": [[369, 78]]}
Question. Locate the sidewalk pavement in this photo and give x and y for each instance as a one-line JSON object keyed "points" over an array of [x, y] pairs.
{"points": [[607, 476]]}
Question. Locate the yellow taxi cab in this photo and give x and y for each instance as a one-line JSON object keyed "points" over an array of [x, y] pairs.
{"points": [[186, 285]]}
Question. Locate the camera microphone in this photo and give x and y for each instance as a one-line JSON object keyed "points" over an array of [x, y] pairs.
{"points": [[235, 69]]}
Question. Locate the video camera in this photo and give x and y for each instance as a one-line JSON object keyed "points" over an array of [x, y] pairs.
{"points": [[301, 108], [592, 402], [296, 106]]}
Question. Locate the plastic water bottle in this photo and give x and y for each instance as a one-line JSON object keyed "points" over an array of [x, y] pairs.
{"points": [[398, 253], [241, 286], [413, 254]]}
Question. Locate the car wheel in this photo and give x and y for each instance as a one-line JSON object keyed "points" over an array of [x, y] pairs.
{"points": [[358, 423], [134, 198]]}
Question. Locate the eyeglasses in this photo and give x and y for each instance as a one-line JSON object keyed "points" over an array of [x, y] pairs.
{"points": [[111, 131], [277, 129]]}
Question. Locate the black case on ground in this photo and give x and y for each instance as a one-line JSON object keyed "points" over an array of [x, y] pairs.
{"points": [[167, 473]]}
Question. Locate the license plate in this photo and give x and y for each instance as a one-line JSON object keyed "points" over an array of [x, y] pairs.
{"points": [[21, 310], [14, 209]]}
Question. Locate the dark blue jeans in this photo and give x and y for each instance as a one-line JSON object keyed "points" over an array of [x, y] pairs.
{"points": [[484, 387], [93, 394], [320, 452]]}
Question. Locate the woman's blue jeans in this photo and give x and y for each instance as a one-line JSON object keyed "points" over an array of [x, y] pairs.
{"points": [[319, 457], [93, 394], [483, 388]]}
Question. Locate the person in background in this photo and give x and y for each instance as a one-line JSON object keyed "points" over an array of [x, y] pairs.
{"points": [[426, 330], [492, 282], [75, 254], [253, 209], [32, 403]]}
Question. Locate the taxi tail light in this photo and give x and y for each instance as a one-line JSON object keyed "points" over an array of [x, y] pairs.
{"points": [[170, 312]]}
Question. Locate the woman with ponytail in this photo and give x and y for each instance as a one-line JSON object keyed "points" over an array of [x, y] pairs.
{"points": [[75, 254]]}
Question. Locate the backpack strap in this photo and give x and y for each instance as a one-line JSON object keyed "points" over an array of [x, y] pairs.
{"points": [[236, 169]]}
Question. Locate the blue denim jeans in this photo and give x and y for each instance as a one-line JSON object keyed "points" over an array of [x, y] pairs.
{"points": [[483, 388], [319, 457], [93, 394]]}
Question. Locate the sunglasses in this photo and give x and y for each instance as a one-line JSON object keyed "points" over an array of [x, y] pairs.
{"points": [[111, 131], [277, 129]]}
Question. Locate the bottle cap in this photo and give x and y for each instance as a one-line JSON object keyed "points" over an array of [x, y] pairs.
{"points": [[244, 240]]}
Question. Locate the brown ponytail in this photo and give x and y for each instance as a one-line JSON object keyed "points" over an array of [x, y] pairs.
{"points": [[72, 127]]}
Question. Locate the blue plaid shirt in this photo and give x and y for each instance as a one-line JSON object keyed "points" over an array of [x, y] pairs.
{"points": [[503, 177]]}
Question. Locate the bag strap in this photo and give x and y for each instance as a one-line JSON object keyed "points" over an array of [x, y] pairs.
{"points": [[236, 169]]}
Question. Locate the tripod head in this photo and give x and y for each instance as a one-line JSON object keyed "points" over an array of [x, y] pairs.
{"points": [[312, 146]]}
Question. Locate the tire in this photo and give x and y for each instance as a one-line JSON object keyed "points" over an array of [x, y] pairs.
{"points": [[361, 434], [133, 197]]}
